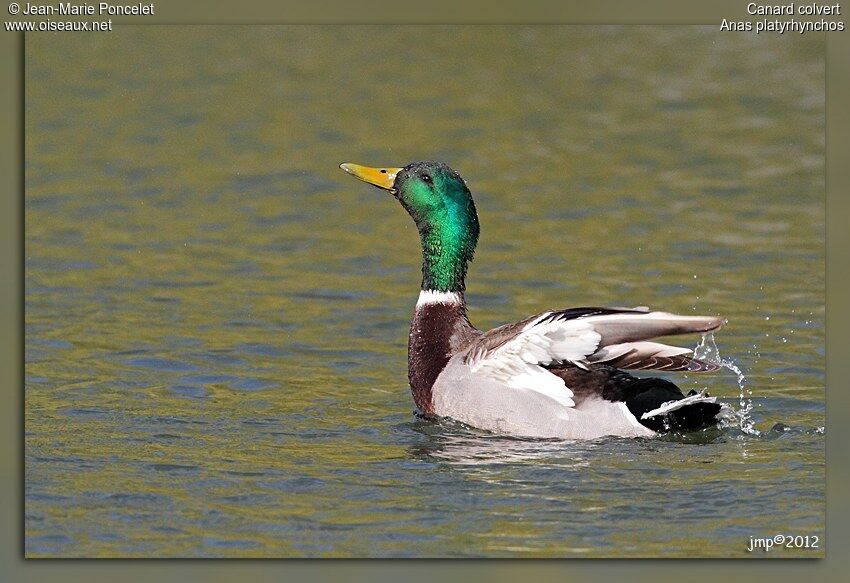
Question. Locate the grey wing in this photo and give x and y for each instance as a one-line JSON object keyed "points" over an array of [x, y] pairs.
{"points": [[581, 336]]}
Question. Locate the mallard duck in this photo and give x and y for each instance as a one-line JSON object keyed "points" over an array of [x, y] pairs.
{"points": [[557, 374]]}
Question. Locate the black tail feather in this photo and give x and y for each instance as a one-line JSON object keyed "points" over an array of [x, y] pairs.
{"points": [[646, 395], [641, 395]]}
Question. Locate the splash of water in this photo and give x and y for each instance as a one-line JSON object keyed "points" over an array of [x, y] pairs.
{"points": [[707, 350]]}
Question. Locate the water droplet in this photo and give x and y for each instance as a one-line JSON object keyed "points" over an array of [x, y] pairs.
{"points": [[707, 350]]}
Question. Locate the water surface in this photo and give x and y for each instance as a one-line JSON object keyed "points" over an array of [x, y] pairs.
{"points": [[216, 316]]}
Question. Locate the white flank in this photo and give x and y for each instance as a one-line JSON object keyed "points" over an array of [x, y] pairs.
{"points": [[631, 418], [427, 296]]}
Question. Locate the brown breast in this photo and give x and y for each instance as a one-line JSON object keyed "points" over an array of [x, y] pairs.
{"points": [[436, 332]]}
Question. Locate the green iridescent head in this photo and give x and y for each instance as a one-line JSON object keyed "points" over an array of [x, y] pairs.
{"points": [[438, 200]]}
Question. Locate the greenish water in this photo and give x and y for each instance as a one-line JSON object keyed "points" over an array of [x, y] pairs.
{"points": [[216, 315]]}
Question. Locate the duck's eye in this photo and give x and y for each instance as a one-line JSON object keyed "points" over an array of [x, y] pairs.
{"points": [[426, 178]]}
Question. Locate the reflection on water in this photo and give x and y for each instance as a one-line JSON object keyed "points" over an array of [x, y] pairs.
{"points": [[457, 444], [216, 316]]}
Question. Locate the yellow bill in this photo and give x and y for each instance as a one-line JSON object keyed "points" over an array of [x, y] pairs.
{"points": [[380, 177]]}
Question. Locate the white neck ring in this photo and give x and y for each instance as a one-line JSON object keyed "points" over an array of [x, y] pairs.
{"points": [[427, 296]]}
